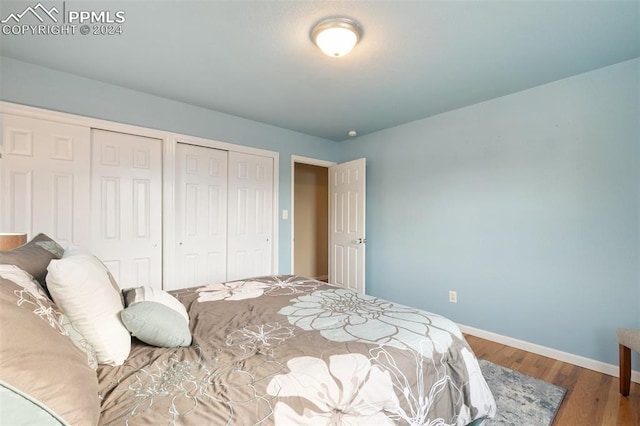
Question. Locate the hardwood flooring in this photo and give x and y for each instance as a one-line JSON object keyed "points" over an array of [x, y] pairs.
{"points": [[592, 398]]}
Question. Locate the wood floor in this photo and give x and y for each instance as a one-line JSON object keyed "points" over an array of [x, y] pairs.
{"points": [[592, 398]]}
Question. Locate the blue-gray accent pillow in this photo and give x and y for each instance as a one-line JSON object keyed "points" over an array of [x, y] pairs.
{"points": [[156, 324]]}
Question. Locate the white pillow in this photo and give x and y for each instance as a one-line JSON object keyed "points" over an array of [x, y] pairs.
{"points": [[150, 294], [80, 285]]}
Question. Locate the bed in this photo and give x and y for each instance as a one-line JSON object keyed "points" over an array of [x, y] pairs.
{"points": [[281, 350]]}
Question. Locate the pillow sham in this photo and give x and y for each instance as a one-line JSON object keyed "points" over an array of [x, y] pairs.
{"points": [[26, 281], [156, 317], [40, 360], [34, 257], [80, 285]]}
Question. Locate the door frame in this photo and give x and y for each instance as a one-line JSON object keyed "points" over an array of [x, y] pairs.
{"points": [[313, 162]]}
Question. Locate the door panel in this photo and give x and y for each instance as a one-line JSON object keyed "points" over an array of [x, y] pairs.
{"points": [[127, 206], [44, 179], [201, 212], [250, 216], [347, 224]]}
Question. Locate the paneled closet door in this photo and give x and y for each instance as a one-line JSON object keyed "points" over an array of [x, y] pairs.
{"points": [[126, 206], [250, 223], [201, 215], [45, 179]]}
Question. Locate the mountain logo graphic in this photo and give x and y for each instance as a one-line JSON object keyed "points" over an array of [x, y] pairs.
{"points": [[38, 11]]}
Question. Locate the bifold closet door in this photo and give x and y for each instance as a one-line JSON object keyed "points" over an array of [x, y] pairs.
{"points": [[126, 206], [201, 215], [44, 182], [250, 223]]}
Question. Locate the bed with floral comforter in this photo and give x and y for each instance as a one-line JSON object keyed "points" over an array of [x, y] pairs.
{"points": [[288, 350]]}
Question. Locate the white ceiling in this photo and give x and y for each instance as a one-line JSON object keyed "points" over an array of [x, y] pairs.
{"points": [[415, 59]]}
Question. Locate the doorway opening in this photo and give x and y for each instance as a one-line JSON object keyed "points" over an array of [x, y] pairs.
{"points": [[310, 218], [345, 222]]}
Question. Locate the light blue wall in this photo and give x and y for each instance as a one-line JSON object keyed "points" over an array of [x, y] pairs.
{"points": [[527, 205], [32, 85]]}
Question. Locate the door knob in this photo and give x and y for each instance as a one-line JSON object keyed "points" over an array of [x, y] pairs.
{"points": [[361, 240]]}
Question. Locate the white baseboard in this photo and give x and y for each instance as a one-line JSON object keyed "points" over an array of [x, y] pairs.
{"points": [[580, 361]]}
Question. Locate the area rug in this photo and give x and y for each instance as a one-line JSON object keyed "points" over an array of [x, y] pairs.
{"points": [[521, 399]]}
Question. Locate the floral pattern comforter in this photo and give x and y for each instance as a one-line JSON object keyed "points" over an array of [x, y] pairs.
{"points": [[287, 350]]}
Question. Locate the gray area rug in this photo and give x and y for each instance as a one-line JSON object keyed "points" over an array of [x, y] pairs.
{"points": [[522, 400]]}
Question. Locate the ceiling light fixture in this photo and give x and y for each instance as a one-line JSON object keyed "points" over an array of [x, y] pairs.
{"points": [[336, 36]]}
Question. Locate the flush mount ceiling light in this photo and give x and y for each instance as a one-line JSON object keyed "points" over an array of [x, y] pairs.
{"points": [[336, 36]]}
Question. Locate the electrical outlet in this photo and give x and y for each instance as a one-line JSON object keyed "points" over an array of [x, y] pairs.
{"points": [[453, 296]]}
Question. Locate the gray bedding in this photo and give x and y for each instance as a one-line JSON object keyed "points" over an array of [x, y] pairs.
{"points": [[288, 350]]}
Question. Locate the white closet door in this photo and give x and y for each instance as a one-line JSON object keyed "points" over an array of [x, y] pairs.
{"points": [[250, 221], [201, 215], [126, 206], [44, 174]]}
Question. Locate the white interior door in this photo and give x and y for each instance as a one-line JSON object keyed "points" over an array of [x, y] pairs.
{"points": [[347, 224], [201, 215], [44, 179], [126, 206], [250, 220]]}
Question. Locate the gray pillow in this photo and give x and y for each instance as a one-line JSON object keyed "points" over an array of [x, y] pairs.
{"points": [[34, 257], [156, 324]]}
